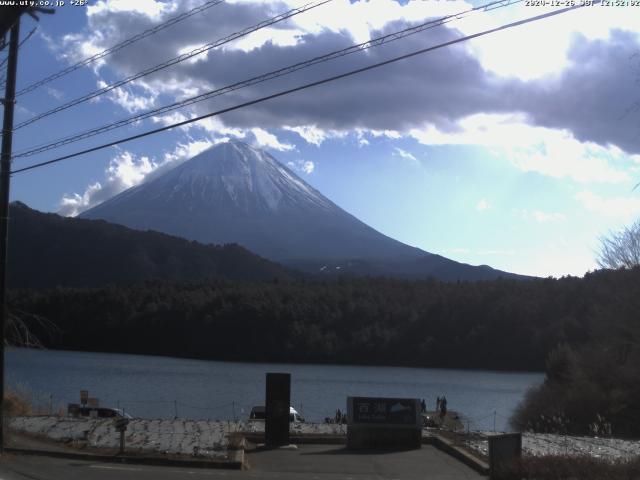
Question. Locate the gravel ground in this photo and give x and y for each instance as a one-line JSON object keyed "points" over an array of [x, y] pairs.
{"points": [[201, 438], [186, 437], [539, 444]]}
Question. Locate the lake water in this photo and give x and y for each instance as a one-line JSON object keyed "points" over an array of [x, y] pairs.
{"points": [[163, 387]]}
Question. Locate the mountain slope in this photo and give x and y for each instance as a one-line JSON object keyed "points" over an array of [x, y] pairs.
{"points": [[47, 250], [235, 193]]}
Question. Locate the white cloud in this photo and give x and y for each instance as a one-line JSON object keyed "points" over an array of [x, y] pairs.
{"points": [[306, 166], [201, 57], [555, 153], [171, 119], [544, 44], [406, 155], [185, 151], [626, 209], [276, 36], [125, 98], [482, 205], [150, 8], [212, 126], [55, 93], [76, 47], [73, 204], [265, 139], [392, 134], [310, 133], [358, 19], [126, 170]]}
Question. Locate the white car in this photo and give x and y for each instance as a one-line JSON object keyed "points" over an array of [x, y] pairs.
{"points": [[259, 413]]}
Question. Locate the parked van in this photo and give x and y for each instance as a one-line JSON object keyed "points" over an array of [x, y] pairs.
{"points": [[75, 410]]}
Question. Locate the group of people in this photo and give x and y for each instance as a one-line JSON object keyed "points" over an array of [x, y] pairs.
{"points": [[441, 406], [338, 418]]}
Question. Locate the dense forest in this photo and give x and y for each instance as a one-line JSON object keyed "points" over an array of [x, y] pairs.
{"points": [[501, 324], [48, 250]]}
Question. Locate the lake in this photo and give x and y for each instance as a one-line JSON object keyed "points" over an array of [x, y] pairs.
{"points": [[164, 387]]}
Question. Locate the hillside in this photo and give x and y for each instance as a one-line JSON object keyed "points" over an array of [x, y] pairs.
{"points": [[47, 250]]}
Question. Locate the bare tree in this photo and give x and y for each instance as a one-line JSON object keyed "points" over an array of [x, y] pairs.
{"points": [[620, 249]]}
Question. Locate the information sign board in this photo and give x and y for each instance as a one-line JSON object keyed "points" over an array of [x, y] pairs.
{"points": [[387, 411]]}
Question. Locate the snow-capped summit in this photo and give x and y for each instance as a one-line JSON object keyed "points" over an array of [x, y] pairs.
{"points": [[241, 177], [234, 193]]}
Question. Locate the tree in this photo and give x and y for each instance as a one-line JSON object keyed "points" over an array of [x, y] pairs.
{"points": [[621, 249]]}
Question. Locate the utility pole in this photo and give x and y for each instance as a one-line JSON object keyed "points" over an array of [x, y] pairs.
{"points": [[8, 101]]}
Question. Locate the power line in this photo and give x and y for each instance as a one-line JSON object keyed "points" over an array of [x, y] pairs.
{"points": [[120, 46], [305, 86], [24, 40], [375, 42], [174, 61]]}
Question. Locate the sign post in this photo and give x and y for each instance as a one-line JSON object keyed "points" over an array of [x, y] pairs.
{"points": [[383, 422], [121, 426]]}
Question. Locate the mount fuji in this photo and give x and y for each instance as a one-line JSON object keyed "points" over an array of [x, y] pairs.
{"points": [[234, 193]]}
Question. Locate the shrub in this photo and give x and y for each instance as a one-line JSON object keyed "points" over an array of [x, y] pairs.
{"points": [[570, 468], [16, 404]]}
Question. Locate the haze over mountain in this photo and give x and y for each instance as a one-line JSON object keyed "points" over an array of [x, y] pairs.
{"points": [[233, 193]]}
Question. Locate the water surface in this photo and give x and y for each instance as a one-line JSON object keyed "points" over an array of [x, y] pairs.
{"points": [[163, 387]]}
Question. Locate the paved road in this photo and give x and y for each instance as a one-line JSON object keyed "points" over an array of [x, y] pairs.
{"points": [[308, 462], [336, 462]]}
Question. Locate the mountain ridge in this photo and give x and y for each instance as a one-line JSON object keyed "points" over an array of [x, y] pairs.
{"points": [[47, 250]]}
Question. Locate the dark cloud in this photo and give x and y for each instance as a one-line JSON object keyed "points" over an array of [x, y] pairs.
{"points": [[593, 97], [589, 97]]}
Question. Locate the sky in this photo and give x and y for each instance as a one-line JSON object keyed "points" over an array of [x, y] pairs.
{"points": [[518, 149]]}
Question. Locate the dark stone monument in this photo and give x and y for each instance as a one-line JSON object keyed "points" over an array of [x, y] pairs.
{"points": [[503, 450], [383, 423], [276, 425]]}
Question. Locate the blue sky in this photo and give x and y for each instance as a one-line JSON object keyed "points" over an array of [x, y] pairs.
{"points": [[517, 150]]}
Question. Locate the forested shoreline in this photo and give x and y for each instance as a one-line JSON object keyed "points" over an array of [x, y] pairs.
{"points": [[502, 324]]}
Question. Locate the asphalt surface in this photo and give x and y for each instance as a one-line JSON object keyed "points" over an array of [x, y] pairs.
{"points": [[307, 462]]}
